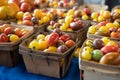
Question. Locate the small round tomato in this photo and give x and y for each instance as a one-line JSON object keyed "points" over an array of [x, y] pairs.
{"points": [[53, 38], [64, 37], [3, 37], [89, 42], [34, 45], [13, 37], [17, 31], [27, 18], [69, 43], [28, 22], [109, 48], [115, 34], [23, 32], [42, 44], [52, 49], [2, 28], [118, 29], [8, 30]]}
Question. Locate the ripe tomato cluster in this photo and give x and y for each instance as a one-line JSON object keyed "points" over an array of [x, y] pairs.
{"points": [[38, 17], [108, 29], [69, 23], [53, 42], [10, 33], [101, 50]]}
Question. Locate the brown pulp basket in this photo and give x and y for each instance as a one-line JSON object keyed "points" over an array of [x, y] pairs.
{"points": [[45, 63], [9, 51], [103, 69]]}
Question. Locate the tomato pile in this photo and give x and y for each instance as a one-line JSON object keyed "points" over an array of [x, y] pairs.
{"points": [[10, 33], [105, 28], [104, 51], [67, 24], [53, 42], [38, 17]]}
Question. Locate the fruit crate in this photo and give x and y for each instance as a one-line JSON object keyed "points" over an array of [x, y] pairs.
{"points": [[45, 63], [9, 55], [92, 70]]}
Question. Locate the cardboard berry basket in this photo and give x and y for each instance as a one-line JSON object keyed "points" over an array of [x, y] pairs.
{"points": [[9, 55], [45, 63], [92, 70]]}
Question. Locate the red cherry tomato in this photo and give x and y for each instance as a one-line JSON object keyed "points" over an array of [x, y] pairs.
{"points": [[69, 43], [8, 30], [3, 37], [64, 37], [17, 31], [110, 48], [53, 39], [115, 34]]}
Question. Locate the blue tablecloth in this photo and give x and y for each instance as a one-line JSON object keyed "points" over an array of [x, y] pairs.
{"points": [[19, 73]]}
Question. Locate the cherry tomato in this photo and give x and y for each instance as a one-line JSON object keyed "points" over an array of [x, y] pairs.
{"points": [[34, 45], [28, 22], [23, 32], [53, 39], [42, 44], [64, 37], [8, 30], [86, 55], [52, 49], [3, 37], [2, 28], [13, 37], [109, 48], [17, 31], [118, 29], [89, 42], [76, 53], [69, 43], [115, 34]]}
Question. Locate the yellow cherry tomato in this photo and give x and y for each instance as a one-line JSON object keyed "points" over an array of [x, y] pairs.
{"points": [[86, 55], [92, 30], [34, 45], [13, 37], [52, 49], [88, 48], [77, 52], [85, 17], [89, 42], [42, 44], [40, 37], [105, 40], [19, 15]]}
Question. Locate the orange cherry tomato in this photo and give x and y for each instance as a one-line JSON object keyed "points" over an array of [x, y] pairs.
{"points": [[69, 43]]}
